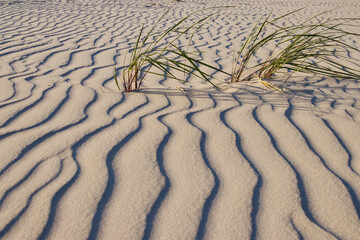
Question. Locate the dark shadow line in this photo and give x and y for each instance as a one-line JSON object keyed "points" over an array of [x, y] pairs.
{"points": [[349, 114], [94, 231], [135, 108], [61, 192], [341, 144], [51, 115], [92, 56], [16, 115], [47, 136], [304, 201], [300, 236], [26, 177], [257, 189], [23, 49], [209, 200], [11, 96], [300, 184], [95, 225], [13, 221], [150, 218], [348, 187], [123, 97]]}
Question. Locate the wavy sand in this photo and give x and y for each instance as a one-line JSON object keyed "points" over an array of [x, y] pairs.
{"points": [[80, 159]]}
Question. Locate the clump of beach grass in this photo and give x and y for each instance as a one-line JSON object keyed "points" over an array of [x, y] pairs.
{"points": [[316, 48], [150, 51]]}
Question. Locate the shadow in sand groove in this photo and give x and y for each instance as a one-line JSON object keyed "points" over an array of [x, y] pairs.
{"points": [[27, 107], [61, 192], [7, 192], [300, 184], [49, 117], [348, 187], [150, 218], [46, 137], [257, 188], [338, 138], [111, 175], [208, 202], [160, 160], [300, 236], [303, 197], [13, 221]]}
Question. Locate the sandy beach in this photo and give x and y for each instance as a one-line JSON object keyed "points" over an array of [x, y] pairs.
{"points": [[81, 159]]}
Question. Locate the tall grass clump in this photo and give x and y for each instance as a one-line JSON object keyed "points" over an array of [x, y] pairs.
{"points": [[158, 50], [317, 48]]}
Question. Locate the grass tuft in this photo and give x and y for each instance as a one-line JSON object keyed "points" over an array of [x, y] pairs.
{"points": [[151, 51], [317, 48]]}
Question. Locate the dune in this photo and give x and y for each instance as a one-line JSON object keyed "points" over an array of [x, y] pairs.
{"points": [[81, 159]]}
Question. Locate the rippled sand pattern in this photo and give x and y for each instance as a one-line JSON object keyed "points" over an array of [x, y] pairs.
{"points": [[82, 160]]}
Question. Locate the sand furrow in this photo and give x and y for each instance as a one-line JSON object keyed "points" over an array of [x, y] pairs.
{"points": [[181, 210], [345, 195], [203, 141], [235, 179], [272, 167], [162, 194], [309, 167], [120, 202], [86, 133], [329, 147], [28, 140], [11, 214], [49, 109], [348, 132], [11, 111]]}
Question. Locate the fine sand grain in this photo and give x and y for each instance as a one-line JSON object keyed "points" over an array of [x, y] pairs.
{"points": [[80, 159]]}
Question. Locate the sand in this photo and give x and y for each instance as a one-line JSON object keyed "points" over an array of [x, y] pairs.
{"points": [[82, 160]]}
